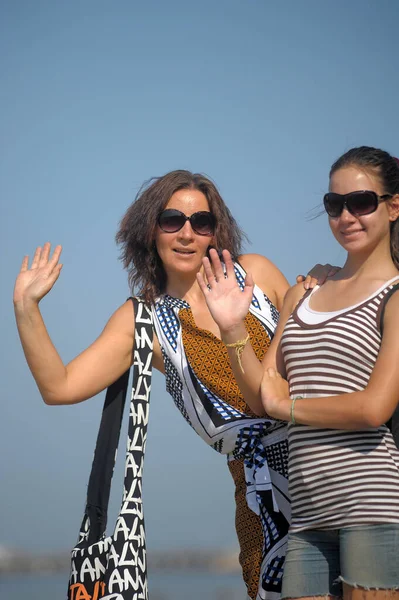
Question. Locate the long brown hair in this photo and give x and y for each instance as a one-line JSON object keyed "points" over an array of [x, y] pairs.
{"points": [[136, 232]]}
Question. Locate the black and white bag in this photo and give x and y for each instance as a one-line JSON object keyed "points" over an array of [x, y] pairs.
{"points": [[115, 567]]}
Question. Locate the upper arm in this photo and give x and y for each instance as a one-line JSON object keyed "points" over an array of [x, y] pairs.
{"points": [[273, 357], [384, 380], [103, 362], [267, 277]]}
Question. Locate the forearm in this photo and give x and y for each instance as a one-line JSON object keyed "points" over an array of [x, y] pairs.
{"points": [[42, 357], [357, 410], [249, 377]]}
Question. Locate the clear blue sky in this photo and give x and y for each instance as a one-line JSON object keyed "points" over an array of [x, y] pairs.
{"points": [[96, 97]]}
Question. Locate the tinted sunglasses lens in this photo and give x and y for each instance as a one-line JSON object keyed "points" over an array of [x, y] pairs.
{"points": [[171, 221], [357, 203], [333, 203], [203, 223], [363, 203]]}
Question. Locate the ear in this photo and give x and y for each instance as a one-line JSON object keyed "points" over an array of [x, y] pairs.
{"points": [[212, 243], [393, 208]]}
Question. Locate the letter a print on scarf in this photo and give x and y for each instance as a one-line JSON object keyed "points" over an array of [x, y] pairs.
{"points": [[115, 567]]}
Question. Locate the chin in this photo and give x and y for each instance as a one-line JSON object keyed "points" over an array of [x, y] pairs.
{"points": [[357, 248], [193, 267], [183, 266]]}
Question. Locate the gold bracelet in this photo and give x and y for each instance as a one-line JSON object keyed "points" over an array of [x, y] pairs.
{"points": [[239, 347], [292, 413]]}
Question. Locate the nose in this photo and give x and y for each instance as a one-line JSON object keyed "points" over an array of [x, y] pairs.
{"points": [[186, 232], [346, 216]]}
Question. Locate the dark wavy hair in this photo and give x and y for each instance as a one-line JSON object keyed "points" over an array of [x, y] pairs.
{"points": [[137, 228], [386, 168]]}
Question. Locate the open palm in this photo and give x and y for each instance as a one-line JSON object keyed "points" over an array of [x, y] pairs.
{"points": [[227, 303], [35, 282]]}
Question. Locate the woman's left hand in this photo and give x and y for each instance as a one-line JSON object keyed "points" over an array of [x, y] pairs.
{"points": [[317, 275], [275, 395]]}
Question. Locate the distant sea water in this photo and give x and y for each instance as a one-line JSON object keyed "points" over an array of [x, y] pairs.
{"points": [[186, 585]]}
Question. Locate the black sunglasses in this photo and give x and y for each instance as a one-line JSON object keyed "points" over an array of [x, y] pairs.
{"points": [[172, 220], [357, 203]]}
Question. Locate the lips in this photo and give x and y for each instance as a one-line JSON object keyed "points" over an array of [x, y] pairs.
{"points": [[351, 232], [183, 251]]}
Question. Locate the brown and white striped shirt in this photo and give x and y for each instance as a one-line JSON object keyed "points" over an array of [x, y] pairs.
{"points": [[338, 478]]}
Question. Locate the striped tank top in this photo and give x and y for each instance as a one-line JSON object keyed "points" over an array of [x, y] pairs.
{"points": [[338, 478]]}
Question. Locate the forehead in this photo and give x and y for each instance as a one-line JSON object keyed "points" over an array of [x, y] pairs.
{"points": [[353, 179], [188, 201]]}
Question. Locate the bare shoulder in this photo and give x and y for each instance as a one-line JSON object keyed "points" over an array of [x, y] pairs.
{"points": [[258, 264], [267, 276], [122, 320], [273, 356], [262, 269], [121, 326], [293, 296], [391, 315]]}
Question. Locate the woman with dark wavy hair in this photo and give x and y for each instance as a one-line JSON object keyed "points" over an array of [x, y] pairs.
{"points": [[176, 221], [138, 229]]}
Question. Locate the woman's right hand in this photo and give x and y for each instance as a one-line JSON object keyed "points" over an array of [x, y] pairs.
{"points": [[33, 283]]}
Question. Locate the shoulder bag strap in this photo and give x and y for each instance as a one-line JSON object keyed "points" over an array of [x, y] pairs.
{"points": [[102, 469], [139, 405]]}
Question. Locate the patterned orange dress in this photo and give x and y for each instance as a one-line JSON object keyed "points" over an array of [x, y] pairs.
{"points": [[201, 381]]}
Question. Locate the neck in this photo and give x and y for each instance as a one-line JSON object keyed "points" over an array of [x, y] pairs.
{"points": [[376, 264], [185, 288]]}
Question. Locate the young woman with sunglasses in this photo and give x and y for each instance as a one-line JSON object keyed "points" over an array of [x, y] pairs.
{"points": [[338, 348], [164, 235]]}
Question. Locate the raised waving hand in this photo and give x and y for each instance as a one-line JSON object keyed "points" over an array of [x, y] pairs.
{"points": [[34, 282], [227, 304], [92, 370]]}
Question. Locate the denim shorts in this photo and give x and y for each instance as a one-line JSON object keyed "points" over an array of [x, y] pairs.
{"points": [[318, 561]]}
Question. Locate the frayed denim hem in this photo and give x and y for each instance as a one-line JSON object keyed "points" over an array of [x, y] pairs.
{"points": [[326, 596], [355, 586]]}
